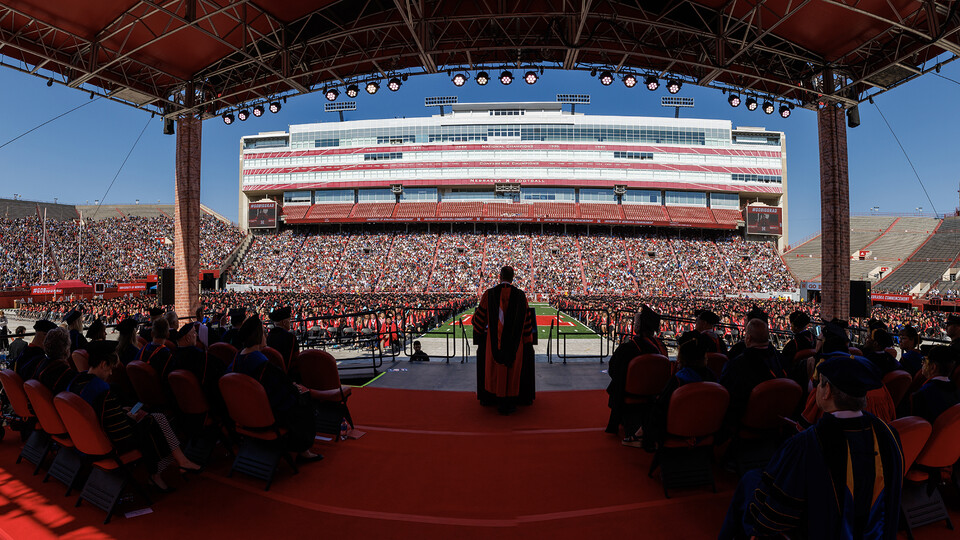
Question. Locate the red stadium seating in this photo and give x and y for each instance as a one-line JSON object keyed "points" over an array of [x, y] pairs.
{"points": [[295, 212], [645, 212], [727, 216], [600, 211], [689, 215], [498, 210], [415, 210], [329, 211], [465, 209], [554, 210], [373, 210]]}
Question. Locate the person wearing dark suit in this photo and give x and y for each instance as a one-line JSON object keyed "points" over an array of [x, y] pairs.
{"points": [[282, 393], [231, 336], [281, 338], [156, 352], [740, 346], [146, 332], [939, 393], [759, 362], [706, 324], [646, 324]]}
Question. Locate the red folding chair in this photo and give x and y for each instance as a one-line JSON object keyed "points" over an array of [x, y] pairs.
{"points": [[110, 474], [275, 358], [695, 414], [914, 433], [224, 352], [897, 383], [318, 371], [66, 465], [37, 444], [647, 374], [920, 505], [192, 402], [762, 427], [146, 384], [260, 451], [715, 362], [80, 360]]}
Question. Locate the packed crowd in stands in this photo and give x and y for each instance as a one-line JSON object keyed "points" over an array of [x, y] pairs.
{"points": [[396, 260], [111, 250]]}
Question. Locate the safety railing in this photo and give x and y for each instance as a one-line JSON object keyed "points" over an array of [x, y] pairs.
{"points": [[559, 336]]}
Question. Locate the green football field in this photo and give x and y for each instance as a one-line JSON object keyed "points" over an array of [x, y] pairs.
{"points": [[567, 324]]}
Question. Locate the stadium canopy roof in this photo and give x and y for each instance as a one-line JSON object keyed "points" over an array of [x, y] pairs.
{"points": [[147, 53]]}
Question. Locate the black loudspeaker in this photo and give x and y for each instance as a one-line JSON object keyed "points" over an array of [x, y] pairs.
{"points": [[168, 126], [165, 286], [209, 282], [860, 303], [853, 117]]}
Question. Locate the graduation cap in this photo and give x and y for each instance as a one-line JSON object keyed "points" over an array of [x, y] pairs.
{"points": [[799, 318], [248, 327], [708, 316], [874, 324], [280, 314], [127, 326], [71, 316], [183, 331], [156, 312], [649, 319], [101, 350], [95, 328], [835, 337], [881, 337], [237, 315], [43, 325], [757, 313], [852, 375]]}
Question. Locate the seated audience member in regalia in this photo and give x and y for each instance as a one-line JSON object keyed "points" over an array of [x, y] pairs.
{"points": [[939, 393], [146, 332], [26, 364], [128, 346], [151, 434], [74, 320], [911, 360], [706, 324], [877, 348], [281, 338], [691, 368], [803, 339], [53, 371], [290, 410], [840, 478], [754, 313], [646, 324], [97, 331], [156, 352], [237, 317], [759, 362]]}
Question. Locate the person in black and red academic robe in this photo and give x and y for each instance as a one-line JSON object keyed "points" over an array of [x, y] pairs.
{"points": [[281, 338], [503, 331], [706, 324]]}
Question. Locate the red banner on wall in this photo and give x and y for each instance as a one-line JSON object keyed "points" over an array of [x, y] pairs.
{"points": [[45, 289], [130, 287], [890, 297]]}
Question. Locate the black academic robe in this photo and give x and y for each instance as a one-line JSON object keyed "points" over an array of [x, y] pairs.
{"points": [[715, 344], [504, 361], [810, 489], [617, 370], [742, 374], [933, 398], [26, 364], [285, 343], [55, 375], [883, 361], [77, 341]]}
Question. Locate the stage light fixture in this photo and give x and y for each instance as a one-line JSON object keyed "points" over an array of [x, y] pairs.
{"points": [[606, 78], [630, 80], [483, 78], [733, 100], [352, 91], [674, 86], [332, 94], [506, 78], [394, 84], [243, 114], [49, 82], [767, 107], [652, 83], [785, 111], [459, 79], [751, 104], [275, 107], [258, 110], [227, 118], [372, 87], [531, 77]]}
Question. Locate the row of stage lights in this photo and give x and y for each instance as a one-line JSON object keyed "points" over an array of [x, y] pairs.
{"points": [[506, 77], [243, 114], [767, 107]]}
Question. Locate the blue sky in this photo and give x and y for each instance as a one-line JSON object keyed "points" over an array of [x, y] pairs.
{"points": [[75, 158]]}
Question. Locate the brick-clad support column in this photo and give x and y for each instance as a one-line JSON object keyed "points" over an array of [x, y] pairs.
{"points": [[186, 231], [834, 209]]}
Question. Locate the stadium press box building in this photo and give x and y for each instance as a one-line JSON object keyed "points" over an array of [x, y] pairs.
{"points": [[518, 163]]}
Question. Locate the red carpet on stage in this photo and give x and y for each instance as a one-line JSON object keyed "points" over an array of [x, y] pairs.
{"points": [[431, 465]]}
